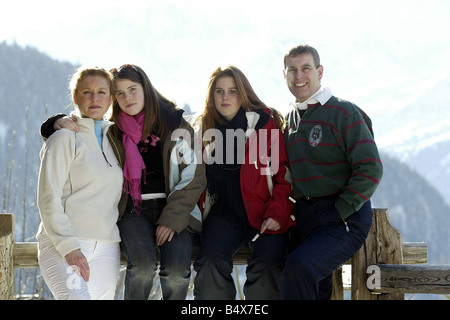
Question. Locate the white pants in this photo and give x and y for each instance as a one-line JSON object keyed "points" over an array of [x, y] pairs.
{"points": [[65, 284]]}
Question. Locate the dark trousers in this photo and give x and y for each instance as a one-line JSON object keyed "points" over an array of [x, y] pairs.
{"points": [[214, 265], [323, 245], [138, 245]]}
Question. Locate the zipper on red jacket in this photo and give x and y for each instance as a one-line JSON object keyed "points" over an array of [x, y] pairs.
{"points": [[293, 200]]}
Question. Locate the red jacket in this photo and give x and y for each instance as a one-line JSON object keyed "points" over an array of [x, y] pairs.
{"points": [[265, 185]]}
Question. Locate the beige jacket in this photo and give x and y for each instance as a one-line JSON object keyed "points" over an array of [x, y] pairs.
{"points": [[79, 188]]}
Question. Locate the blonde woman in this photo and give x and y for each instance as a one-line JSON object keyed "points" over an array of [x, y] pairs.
{"points": [[79, 187]]}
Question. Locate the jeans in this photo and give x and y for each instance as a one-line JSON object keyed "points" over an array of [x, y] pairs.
{"points": [[138, 245], [104, 263], [214, 265], [324, 245]]}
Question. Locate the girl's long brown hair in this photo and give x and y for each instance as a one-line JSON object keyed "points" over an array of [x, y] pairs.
{"points": [[156, 106], [249, 99]]}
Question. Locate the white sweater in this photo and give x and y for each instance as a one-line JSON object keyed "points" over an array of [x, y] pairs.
{"points": [[79, 188]]}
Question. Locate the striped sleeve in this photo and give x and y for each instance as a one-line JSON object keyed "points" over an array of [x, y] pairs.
{"points": [[364, 159]]}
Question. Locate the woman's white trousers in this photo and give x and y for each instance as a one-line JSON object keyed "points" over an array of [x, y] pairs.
{"points": [[63, 281]]}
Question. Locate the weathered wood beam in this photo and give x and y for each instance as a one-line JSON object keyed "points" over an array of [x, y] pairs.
{"points": [[25, 254], [415, 252], [416, 278]]}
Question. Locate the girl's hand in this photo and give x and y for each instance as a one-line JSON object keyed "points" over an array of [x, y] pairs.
{"points": [[270, 224], [67, 123], [163, 233]]}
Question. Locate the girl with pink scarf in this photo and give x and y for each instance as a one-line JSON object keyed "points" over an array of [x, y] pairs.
{"points": [[161, 213]]}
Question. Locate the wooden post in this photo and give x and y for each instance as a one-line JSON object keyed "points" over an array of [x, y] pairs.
{"points": [[6, 256], [383, 245], [361, 260], [338, 285]]}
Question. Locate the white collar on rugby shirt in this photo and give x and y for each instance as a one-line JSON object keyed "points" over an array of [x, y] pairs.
{"points": [[322, 96]]}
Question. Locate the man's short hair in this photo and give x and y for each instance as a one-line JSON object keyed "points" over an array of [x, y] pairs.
{"points": [[303, 49]]}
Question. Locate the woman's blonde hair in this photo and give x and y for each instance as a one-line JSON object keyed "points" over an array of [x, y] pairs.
{"points": [[249, 99], [82, 73]]}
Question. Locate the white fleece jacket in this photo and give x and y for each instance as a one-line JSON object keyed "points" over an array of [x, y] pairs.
{"points": [[79, 188]]}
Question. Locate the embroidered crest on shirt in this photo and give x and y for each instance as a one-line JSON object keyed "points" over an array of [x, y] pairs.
{"points": [[315, 136]]}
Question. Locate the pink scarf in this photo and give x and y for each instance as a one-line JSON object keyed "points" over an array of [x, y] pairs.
{"points": [[131, 126]]}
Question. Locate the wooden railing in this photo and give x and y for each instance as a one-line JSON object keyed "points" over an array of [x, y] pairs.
{"points": [[384, 268]]}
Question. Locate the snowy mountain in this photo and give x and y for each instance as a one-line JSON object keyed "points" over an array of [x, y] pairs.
{"points": [[417, 131], [413, 138]]}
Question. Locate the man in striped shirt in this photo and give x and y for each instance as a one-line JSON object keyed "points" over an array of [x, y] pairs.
{"points": [[335, 169]]}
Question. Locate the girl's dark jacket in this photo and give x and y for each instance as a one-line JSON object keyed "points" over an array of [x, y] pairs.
{"points": [[185, 180]]}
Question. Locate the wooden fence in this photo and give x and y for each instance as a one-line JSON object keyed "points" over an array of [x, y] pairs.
{"points": [[384, 268]]}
